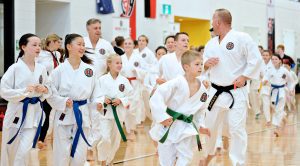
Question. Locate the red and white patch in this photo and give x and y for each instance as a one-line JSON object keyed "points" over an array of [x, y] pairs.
{"points": [[122, 87], [204, 97], [229, 46], [88, 72], [102, 51]]}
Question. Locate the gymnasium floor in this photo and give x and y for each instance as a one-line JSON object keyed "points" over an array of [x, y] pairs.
{"points": [[264, 149]]}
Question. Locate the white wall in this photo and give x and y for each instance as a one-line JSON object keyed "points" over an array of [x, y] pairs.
{"points": [[52, 17], [24, 18], [192, 8]]}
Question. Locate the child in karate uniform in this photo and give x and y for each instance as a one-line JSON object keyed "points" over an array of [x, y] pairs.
{"points": [[178, 108], [115, 90], [278, 77], [24, 85]]}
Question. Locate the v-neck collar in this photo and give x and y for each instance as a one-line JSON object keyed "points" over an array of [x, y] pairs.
{"points": [[189, 94], [225, 37], [22, 62]]}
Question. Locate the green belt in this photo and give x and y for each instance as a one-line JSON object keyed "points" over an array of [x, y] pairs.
{"points": [[187, 119], [114, 109]]}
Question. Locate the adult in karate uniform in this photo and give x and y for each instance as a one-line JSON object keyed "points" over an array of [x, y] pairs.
{"points": [[74, 98], [97, 48], [24, 85], [230, 58], [132, 65], [115, 90], [178, 109], [170, 65]]}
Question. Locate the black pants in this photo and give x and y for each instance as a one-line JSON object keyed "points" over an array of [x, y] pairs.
{"points": [[47, 110]]}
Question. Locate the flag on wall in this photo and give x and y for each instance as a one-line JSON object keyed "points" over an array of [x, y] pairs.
{"points": [[127, 7], [105, 7], [150, 8]]}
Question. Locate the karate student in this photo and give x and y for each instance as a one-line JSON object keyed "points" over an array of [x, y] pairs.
{"points": [[49, 57], [231, 58], [266, 88], [74, 98], [132, 69], [254, 96], [24, 85], [146, 54], [170, 64], [178, 108], [290, 89], [97, 48], [278, 77], [115, 90], [170, 43]]}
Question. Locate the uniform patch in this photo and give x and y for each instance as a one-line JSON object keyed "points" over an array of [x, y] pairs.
{"points": [[144, 55], [102, 51], [283, 76], [41, 79], [229, 46], [122, 87], [136, 64], [203, 97], [88, 72]]}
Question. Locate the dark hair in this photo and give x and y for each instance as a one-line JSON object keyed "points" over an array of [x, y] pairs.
{"points": [[135, 42], [68, 40], [180, 33], [161, 47], [119, 40], [278, 56], [261, 47], [170, 36], [200, 48], [23, 42]]}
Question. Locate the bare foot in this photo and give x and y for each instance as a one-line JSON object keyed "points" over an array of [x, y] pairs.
{"points": [[268, 124], [41, 145], [90, 156], [219, 151]]}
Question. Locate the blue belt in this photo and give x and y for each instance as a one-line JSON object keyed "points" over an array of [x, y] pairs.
{"points": [[78, 118], [276, 87], [25, 102]]}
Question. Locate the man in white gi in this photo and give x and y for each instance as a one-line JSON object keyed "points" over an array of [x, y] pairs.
{"points": [[231, 58], [170, 65], [97, 48]]}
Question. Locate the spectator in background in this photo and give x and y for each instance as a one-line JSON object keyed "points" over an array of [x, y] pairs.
{"points": [[261, 49], [280, 50], [119, 47], [170, 43]]}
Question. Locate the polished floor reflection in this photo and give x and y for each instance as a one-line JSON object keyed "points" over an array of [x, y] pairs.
{"points": [[264, 149]]}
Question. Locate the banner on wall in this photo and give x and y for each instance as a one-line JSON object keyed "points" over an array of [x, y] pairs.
{"points": [[127, 7], [105, 7], [271, 25]]}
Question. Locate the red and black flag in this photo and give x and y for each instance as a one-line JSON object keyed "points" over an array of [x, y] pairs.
{"points": [[150, 8]]}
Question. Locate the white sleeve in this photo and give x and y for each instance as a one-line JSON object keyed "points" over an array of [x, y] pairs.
{"points": [[254, 59], [159, 99], [8, 91], [56, 101]]}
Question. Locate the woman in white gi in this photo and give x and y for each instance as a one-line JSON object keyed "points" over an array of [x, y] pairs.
{"points": [[132, 69], [115, 90], [278, 77], [49, 57], [178, 108], [24, 86], [74, 98], [266, 89]]}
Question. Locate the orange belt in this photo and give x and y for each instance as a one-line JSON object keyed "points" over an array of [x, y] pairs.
{"points": [[131, 79]]}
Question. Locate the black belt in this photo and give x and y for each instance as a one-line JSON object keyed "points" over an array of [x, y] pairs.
{"points": [[220, 90]]}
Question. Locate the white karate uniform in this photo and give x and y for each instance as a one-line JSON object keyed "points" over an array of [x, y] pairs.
{"points": [[148, 57], [181, 141], [13, 89], [75, 84], [45, 58], [170, 67], [238, 55], [279, 76], [290, 90], [132, 67], [266, 91], [110, 137], [99, 54], [254, 96]]}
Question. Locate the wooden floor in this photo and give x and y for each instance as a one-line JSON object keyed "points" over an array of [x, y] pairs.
{"points": [[264, 149]]}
